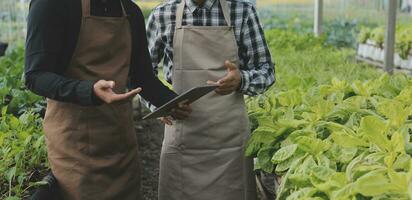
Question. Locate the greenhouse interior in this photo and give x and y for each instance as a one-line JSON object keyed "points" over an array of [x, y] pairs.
{"points": [[263, 100]]}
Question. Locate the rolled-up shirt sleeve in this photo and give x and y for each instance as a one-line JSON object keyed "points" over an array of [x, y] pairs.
{"points": [[46, 32]]}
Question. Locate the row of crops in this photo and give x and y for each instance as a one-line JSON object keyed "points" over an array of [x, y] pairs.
{"points": [[371, 42], [330, 128], [340, 32]]}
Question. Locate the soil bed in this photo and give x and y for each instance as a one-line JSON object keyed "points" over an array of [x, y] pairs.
{"points": [[150, 137]]}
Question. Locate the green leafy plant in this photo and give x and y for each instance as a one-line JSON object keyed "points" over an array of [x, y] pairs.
{"points": [[403, 43], [364, 35], [378, 36], [22, 148], [23, 153], [333, 129], [12, 90]]}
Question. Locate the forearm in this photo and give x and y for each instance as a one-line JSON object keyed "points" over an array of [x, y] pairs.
{"points": [[59, 88]]}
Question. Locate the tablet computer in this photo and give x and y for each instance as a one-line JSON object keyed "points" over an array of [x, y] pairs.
{"points": [[189, 96]]}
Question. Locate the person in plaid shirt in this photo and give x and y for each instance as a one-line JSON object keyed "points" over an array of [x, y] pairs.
{"points": [[256, 66], [190, 37]]}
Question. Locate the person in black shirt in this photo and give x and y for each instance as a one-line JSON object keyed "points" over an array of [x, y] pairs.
{"points": [[53, 29], [83, 55]]}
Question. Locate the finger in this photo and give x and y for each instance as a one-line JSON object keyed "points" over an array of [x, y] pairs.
{"points": [[213, 83], [112, 84], [103, 84], [133, 93], [137, 90], [227, 79], [226, 86], [169, 120], [125, 96], [230, 66], [107, 84], [164, 120]]}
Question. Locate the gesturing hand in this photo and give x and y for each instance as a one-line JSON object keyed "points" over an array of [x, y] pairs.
{"points": [[104, 90], [229, 83]]}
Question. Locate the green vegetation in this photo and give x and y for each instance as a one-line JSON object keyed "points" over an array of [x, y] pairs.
{"points": [[333, 129], [22, 147], [330, 127], [303, 60], [337, 32], [403, 38], [23, 153], [12, 91]]}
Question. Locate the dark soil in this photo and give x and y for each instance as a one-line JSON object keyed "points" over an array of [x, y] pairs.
{"points": [[150, 137]]}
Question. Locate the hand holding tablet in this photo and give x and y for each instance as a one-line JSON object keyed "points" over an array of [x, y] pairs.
{"points": [[188, 97]]}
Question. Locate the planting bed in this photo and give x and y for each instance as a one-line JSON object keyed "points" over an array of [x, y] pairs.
{"points": [[371, 46]]}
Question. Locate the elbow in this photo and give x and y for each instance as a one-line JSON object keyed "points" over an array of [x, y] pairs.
{"points": [[271, 80], [29, 80]]}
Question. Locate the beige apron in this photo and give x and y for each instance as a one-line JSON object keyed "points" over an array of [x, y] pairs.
{"points": [[203, 157], [93, 150]]}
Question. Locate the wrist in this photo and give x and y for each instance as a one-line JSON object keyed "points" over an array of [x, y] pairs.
{"points": [[241, 81], [95, 98]]}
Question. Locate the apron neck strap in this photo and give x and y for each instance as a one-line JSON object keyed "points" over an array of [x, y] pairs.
{"points": [[86, 8], [226, 14], [181, 8], [123, 9]]}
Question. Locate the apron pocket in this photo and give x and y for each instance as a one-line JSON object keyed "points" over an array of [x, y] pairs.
{"points": [[64, 130], [105, 131]]}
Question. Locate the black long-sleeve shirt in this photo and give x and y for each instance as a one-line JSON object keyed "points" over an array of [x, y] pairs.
{"points": [[53, 30]]}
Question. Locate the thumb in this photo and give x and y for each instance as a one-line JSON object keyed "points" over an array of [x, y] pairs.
{"points": [[112, 84], [230, 66], [107, 84]]}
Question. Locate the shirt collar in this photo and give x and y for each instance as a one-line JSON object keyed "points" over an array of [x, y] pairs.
{"points": [[192, 5]]}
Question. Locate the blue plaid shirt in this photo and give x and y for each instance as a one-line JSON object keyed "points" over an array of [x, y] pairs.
{"points": [[256, 66]]}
